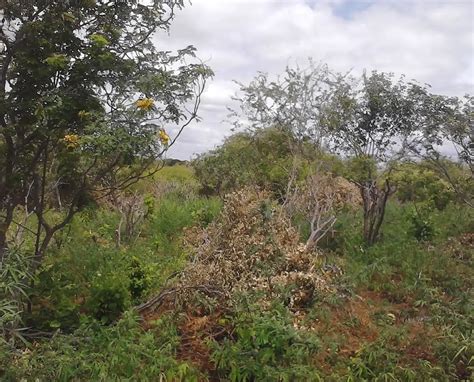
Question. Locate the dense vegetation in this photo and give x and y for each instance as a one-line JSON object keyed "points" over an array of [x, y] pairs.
{"points": [[329, 239], [400, 309]]}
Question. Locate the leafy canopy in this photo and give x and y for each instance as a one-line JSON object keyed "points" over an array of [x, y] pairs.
{"points": [[86, 98]]}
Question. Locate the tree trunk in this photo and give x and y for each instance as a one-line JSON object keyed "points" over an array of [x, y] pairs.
{"points": [[374, 203], [3, 242], [39, 255], [4, 226]]}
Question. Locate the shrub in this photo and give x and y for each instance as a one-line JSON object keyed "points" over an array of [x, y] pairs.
{"points": [[246, 159], [109, 299], [266, 347], [139, 279], [422, 227], [416, 183]]}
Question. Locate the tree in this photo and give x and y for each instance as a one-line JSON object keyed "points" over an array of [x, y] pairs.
{"points": [[85, 97], [292, 102], [370, 120], [448, 124], [373, 121]]}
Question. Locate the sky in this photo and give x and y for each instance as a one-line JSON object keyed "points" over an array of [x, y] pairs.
{"points": [[431, 41]]}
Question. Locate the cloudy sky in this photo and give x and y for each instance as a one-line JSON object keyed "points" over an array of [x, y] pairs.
{"points": [[431, 41]]}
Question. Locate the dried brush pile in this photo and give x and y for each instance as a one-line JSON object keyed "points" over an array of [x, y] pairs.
{"points": [[251, 246]]}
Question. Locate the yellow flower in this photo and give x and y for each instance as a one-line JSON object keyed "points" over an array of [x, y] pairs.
{"points": [[71, 140], [145, 103], [83, 114], [163, 137]]}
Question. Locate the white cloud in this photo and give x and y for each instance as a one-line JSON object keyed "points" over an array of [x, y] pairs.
{"points": [[431, 41]]}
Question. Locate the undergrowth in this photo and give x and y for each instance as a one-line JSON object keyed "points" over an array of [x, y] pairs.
{"points": [[402, 309]]}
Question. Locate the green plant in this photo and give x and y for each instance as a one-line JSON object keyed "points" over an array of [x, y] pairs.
{"points": [[422, 227], [58, 59], [416, 183], [456, 352], [381, 361], [150, 203], [139, 279], [14, 277], [109, 299], [104, 353], [204, 215], [265, 347], [245, 159]]}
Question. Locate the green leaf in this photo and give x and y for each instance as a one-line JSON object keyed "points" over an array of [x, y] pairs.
{"points": [[99, 40], [57, 61]]}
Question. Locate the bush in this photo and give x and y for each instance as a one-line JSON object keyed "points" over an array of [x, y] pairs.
{"points": [[139, 279], [109, 299], [262, 159], [416, 183], [266, 347], [422, 227]]}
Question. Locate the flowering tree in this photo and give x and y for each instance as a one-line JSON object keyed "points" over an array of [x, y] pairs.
{"points": [[85, 97]]}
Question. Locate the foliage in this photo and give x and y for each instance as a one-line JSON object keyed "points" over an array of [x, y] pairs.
{"points": [[93, 352], [77, 277], [363, 323], [457, 175], [373, 116], [86, 104], [13, 290], [178, 178], [266, 347], [417, 183], [139, 279], [245, 159], [448, 119], [422, 225], [361, 169], [88, 98], [177, 173], [108, 299], [381, 361], [376, 121], [294, 102]]}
